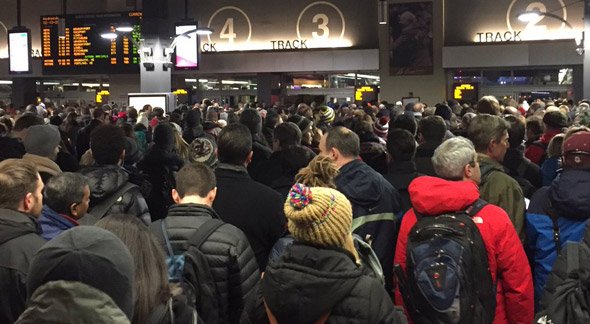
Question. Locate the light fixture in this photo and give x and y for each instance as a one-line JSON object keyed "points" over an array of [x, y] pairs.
{"points": [[124, 29], [109, 35], [147, 51], [5, 82], [529, 16], [204, 31], [149, 66], [383, 11]]}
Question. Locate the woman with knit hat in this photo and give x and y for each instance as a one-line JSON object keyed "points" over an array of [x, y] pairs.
{"points": [[319, 279]]}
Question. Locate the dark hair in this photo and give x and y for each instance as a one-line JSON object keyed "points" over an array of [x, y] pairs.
{"points": [[484, 128], [151, 273], [27, 120], [98, 113], [287, 134], [251, 119], [107, 142], [234, 143], [17, 179], [63, 190], [132, 113], [407, 122], [433, 129], [158, 112], [343, 139], [516, 131], [271, 120], [401, 145], [535, 125], [195, 179]]}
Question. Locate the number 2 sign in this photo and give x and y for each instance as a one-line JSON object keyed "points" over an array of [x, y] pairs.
{"points": [[540, 27]]}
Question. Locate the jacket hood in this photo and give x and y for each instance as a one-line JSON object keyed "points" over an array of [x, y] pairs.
{"points": [[71, 302], [360, 183], [435, 196], [88, 255], [43, 164], [12, 222], [571, 193], [104, 181], [307, 282]]}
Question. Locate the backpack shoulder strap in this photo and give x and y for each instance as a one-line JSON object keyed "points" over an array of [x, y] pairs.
{"points": [[100, 210], [476, 207], [554, 217], [573, 260], [203, 232]]}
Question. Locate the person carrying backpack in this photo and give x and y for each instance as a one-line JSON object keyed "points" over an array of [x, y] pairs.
{"points": [[456, 253], [559, 213], [554, 122], [566, 297], [212, 261]]}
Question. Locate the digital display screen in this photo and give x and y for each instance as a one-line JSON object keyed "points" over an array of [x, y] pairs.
{"points": [[138, 101], [187, 56], [19, 51], [78, 48]]}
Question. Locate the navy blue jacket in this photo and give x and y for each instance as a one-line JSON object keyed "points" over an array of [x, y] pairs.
{"points": [[570, 194], [375, 204], [52, 223]]}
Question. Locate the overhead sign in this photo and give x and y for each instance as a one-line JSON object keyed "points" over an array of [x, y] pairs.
{"points": [[19, 50], [267, 25], [465, 91], [482, 27], [366, 93]]}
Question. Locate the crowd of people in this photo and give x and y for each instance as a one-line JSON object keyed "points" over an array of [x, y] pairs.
{"points": [[372, 213]]}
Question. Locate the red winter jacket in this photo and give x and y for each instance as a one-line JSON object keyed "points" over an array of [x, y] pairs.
{"points": [[508, 262]]}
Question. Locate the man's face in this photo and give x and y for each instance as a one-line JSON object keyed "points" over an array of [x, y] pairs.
{"points": [[498, 148], [37, 201], [82, 207]]}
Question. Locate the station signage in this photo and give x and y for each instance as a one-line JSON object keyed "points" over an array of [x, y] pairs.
{"points": [[482, 27], [266, 26], [465, 91]]}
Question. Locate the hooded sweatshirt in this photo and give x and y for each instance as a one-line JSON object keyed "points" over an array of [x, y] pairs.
{"points": [[88, 255]]}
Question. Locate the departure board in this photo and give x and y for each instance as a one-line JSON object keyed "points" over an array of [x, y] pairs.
{"points": [[79, 48]]}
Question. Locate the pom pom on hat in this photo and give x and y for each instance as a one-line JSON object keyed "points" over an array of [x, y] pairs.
{"points": [[318, 215]]}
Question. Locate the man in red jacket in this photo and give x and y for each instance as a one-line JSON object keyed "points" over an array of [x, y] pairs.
{"points": [[455, 161]]}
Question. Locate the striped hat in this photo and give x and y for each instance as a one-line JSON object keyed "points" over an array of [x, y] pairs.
{"points": [[327, 114]]}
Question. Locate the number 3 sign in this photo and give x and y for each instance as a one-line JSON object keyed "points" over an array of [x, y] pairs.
{"points": [[315, 21]]}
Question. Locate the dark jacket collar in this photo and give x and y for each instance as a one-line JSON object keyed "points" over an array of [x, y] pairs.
{"points": [[59, 220], [426, 149], [192, 210], [402, 167], [232, 167], [12, 220]]}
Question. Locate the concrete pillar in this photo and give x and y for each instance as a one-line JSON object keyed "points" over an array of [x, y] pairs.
{"points": [[269, 88], [155, 29]]}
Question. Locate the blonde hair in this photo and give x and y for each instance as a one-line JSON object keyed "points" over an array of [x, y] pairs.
{"points": [[555, 147], [320, 172], [182, 148]]}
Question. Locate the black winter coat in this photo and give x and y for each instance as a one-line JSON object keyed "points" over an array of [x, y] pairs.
{"points": [[308, 282], [15, 257], [160, 166], [105, 181], [375, 206], [400, 175], [520, 168], [227, 250], [252, 207], [423, 159], [83, 140]]}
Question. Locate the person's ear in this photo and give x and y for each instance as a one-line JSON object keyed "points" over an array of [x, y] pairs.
{"points": [[122, 157], [467, 171], [73, 210], [249, 158], [28, 202], [335, 154], [176, 197], [211, 195]]}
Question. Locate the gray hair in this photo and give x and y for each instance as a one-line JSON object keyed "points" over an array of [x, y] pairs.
{"points": [[452, 156]]}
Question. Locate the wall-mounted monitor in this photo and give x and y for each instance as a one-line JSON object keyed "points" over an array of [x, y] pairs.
{"points": [[166, 101], [78, 48], [19, 50], [187, 46]]}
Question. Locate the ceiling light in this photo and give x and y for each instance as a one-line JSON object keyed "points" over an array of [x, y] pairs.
{"points": [[529, 16], [204, 31], [124, 29], [109, 35]]}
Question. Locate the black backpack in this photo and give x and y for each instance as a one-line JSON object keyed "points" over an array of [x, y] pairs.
{"points": [[447, 279], [566, 299], [191, 270]]}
